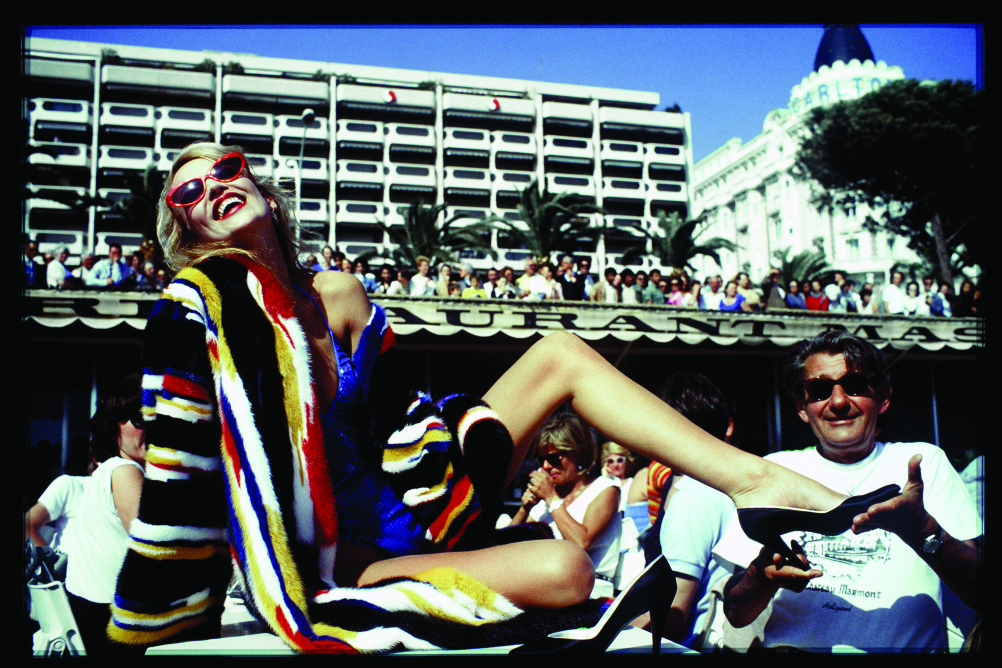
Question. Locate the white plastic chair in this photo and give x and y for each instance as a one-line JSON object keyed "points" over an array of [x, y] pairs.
{"points": [[58, 634]]}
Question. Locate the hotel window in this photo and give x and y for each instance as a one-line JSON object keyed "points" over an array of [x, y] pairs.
{"points": [[853, 245]]}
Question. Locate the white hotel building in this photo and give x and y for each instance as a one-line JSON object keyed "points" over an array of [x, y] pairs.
{"points": [[749, 193], [381, 138]]}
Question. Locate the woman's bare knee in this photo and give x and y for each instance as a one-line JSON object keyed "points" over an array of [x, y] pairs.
{"points": [[570, 571], [563, 353]]}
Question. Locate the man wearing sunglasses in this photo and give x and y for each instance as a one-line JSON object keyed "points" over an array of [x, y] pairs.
{"points": [[878, 586]]}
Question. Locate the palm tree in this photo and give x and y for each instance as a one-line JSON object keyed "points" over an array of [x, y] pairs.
{"points": [[806, 265], [41, 173], [678, 243], [140, 209], [422, 235], [553, 221]]}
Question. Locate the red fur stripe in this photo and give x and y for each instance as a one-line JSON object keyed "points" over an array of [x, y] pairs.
{"points": [[457, 498], [185, 388], [389, 340]]}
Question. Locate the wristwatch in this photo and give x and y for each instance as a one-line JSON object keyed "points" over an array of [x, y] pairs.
{"points": [[556, 504], [932, 543]]}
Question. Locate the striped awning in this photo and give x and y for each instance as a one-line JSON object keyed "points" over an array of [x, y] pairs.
{"points": [[520, 319]]}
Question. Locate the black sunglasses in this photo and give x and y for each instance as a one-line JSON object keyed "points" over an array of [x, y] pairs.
{"points": [[553, 459], [854, 384]]}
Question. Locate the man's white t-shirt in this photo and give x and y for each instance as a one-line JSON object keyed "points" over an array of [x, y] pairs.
{"points": [[876, 594], [61, 500]]}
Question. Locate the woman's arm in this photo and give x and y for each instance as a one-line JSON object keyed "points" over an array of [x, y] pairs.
{"points": [[36, 518], [528, 501], [600, 512], [126, 486], [638, 488], [178, 566]]}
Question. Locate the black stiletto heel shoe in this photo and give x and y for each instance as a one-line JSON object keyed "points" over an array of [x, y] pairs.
{"points": [[767, 525], [652, 590], [659, 617]]}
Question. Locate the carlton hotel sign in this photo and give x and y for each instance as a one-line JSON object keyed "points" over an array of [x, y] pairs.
{"points": [[518, 319], [841, 82]]}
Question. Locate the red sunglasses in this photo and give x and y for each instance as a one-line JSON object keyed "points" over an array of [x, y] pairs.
{"points": [[227, 168]]}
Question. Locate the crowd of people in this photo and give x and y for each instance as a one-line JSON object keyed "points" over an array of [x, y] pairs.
{"points": [[115, 271], [570, 280], [930, 299]]}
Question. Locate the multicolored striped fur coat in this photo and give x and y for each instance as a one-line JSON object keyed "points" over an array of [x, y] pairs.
{"points": [[236, 474]]}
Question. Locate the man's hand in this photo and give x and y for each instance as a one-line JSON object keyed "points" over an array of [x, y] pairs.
{"points": [[748, 592], [904, 515], [957, 562], [773, 570]]}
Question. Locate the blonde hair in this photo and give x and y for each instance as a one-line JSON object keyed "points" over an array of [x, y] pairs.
{"points": [[568, 433], [610, 448], [180, 247]]}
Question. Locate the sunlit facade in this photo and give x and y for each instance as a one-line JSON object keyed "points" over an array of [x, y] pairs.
{"points": [[750, 194], [381, 138]]}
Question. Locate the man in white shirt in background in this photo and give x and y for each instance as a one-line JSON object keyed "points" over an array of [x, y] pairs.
{"points": [[878, 586], [714, 295], [57, 276], [893, 296]]}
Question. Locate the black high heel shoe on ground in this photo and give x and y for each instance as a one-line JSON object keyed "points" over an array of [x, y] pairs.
{"points": [[767, 525], [652, 590]]}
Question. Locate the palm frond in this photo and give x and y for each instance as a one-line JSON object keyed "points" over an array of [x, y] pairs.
{"points": [[804, 266], [675, 243], [553, 222], [423, 235]]}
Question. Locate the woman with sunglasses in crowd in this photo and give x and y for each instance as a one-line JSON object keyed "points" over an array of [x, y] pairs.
{"points": [[260, 379], [575, 503], [107, 510]]}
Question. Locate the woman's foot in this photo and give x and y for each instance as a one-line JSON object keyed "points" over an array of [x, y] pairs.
{"points": [[775, 486]]}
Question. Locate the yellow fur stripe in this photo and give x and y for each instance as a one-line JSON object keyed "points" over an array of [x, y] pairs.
{"points": [[136, 637], [450, 581], [161, 552], [405, 452]]}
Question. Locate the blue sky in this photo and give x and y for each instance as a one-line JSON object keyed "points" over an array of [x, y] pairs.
{"points": [[727, 77]]}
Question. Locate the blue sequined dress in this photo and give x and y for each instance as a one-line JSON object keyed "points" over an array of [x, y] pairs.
{"points": [[415, 492]]}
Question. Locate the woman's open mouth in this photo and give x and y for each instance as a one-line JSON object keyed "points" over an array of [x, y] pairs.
{"points": [[227, 206]]}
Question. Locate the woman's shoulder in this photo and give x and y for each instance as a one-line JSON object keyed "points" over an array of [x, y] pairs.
{"points": [[603, 482], [337, 285], [112, 464], [344, 298]]}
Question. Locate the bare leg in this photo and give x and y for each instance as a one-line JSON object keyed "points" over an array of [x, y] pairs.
{"points": [[530, 574], [561, 367]]}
